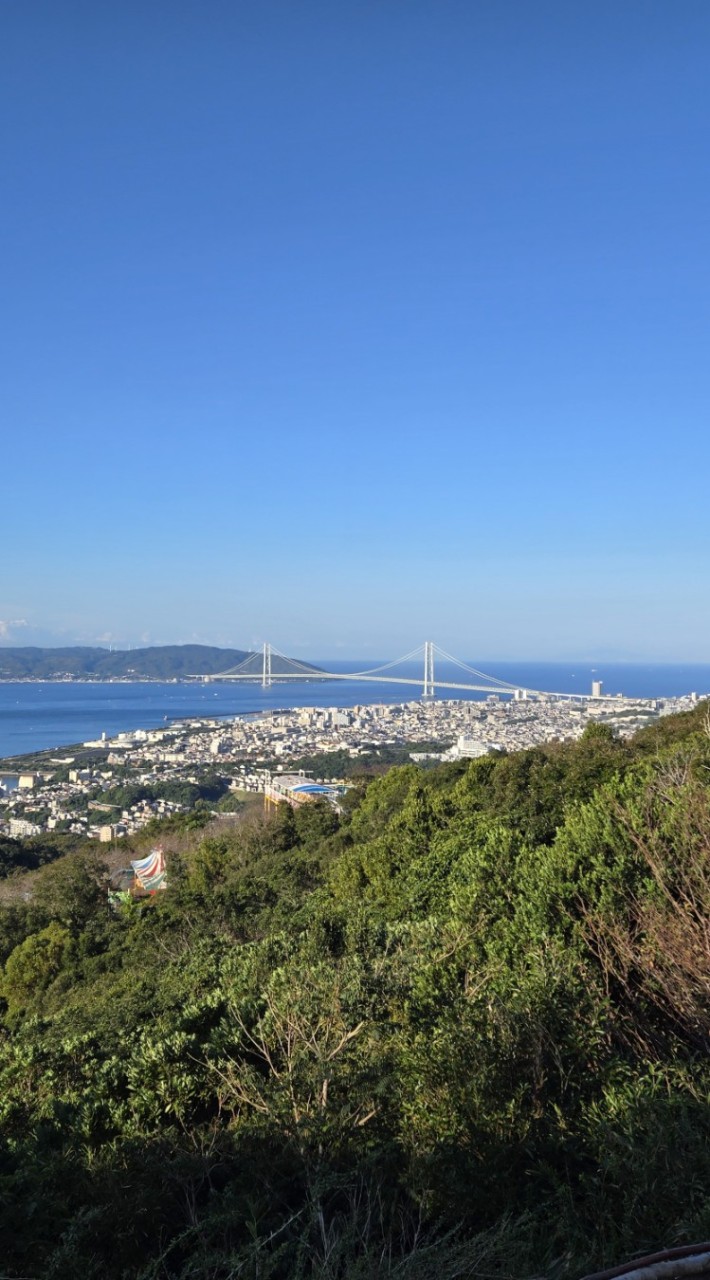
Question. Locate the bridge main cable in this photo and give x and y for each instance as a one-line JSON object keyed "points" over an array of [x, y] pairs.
{"points": [[473, 671], [387, 666], [258, 666], [315, 672]]}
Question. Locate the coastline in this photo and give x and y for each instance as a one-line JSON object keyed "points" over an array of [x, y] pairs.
{"points": [[40, 714]]}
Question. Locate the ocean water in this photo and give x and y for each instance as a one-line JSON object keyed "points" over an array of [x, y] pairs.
{"points": [[34, 716]]}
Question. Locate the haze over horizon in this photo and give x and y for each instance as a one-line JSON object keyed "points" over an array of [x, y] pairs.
{"points": [[350, 326]]}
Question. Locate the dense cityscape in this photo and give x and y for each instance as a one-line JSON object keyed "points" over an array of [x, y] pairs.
{"points": [[75, 792]]}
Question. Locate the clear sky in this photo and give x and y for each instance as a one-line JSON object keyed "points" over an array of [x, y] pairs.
{"points": [[347, 325]]}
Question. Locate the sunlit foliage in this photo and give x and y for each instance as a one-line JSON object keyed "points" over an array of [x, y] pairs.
{"points": [[463, 1029]]}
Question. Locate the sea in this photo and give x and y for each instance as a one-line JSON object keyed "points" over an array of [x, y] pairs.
{"points": [[38, 715]]}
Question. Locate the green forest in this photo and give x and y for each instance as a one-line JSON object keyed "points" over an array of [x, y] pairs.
{"points": [[81, 662], [460, 1029]]}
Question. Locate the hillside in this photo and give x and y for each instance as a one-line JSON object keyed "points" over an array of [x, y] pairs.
{"points": [[160, 662], [462, 1029]]}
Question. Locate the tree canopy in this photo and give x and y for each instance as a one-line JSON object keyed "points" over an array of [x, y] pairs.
{"points": [[460, 1029]]}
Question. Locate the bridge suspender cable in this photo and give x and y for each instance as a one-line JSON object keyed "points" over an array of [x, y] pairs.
{"points": [[259, 666], [473, 671], [387, 666]]}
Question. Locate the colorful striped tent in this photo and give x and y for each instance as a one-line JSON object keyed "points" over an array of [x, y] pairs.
{"points": [[150, 871]]}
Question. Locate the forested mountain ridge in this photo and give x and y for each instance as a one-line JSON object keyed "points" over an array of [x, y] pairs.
{"points": [[159, 662], [461, 1030]]}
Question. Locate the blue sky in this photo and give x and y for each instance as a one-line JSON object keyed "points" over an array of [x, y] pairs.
{"points": [[350, 325]]}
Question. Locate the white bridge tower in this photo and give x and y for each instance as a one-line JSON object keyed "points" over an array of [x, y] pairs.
{"points": [[266, 667], [428, 690]]}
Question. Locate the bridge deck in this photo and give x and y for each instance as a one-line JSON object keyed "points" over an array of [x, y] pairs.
{"points": [[257, 678], [332, 675]]}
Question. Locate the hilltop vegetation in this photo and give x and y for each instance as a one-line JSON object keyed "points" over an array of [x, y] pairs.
{"points": [[160, 662], [463, 1029]]}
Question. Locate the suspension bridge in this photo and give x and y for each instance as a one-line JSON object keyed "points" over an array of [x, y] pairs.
{"points": [[270, 666]]}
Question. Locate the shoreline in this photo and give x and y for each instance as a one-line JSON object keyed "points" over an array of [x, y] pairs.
{"points": [[94, 750], [35, 728]]}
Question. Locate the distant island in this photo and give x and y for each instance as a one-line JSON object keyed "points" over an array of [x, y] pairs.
{"points": [[78, 662]]}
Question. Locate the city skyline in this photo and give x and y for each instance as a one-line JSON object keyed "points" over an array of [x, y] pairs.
{"points": [[344, 328]]}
